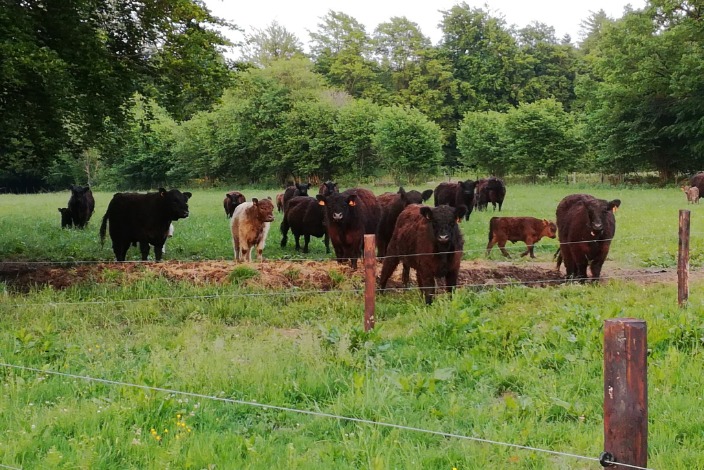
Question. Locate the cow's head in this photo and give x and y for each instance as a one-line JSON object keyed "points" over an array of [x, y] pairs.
{"points": [[79, 190], [236, 198], [264, 208], [549, 229], [444, 221], [328, 187], [176, 203], [416, 197], [338, 207], [599, 210], [302, 188]]}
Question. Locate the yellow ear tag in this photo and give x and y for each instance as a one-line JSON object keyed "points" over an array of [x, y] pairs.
{"points": [[321, 203], [352, 203], [458, 220], [614, 209]]}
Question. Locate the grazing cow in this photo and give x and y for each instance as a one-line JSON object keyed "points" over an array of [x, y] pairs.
{"points": [[526, 229], [456, 194], [66, 219], [586, 226], [698, 181], [328, 187], [391, 206], [348, 217], [144, 219], [304, 216], [81, 205], [299, 189], [280, 202], [231, 201], [692, 193], [493, 190], [250, 226], [428, 240]]}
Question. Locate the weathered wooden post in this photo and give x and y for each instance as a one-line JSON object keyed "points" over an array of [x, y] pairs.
{"points": [[625, 392], [683, 260], [369, 281]]}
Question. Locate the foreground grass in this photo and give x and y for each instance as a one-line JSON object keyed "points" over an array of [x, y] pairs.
{"points": [[646, 227], [517, 365]]}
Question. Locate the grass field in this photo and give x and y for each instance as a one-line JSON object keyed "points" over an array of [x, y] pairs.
{"points": [[515, 364]]}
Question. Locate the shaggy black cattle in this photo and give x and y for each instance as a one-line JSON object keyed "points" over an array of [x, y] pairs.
{"points": [[144, 219], [81, 205], [586, 225], [429, 241], [328, 187], [491, 190], [231, 201], [698, 182], [456, 195], [348, 217], [391, 206], [66, 219], [305, 217]]}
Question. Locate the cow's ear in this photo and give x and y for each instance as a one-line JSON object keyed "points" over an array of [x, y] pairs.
{"points": [[460, 212], [352, 200], [187, 195], [269, 198], [162, 192], [426, 194], [255, 201], [401, 191], [308, 185], [614, 205], [426, 212], [60, 210], [546, 222], [321, 199]]}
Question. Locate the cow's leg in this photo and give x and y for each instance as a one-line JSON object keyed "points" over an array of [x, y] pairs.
{"points": [[387, 269], [298, 241], [529, 247], [144, 248], [451, 280], [406, 275], [426, 283], [120, 250], [326, 242], [489, 246], [158, 250], [502, 247], [306, 241]]}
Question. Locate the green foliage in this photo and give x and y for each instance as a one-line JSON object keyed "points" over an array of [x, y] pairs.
{"points": [[271, 44], [355, 128], [483, 143], [409, 144]]}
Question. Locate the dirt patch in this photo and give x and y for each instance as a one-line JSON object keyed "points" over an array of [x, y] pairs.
{"points": [[284, 274]]}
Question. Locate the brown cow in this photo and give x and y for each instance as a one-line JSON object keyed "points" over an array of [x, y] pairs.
{"points": [[456, 194], [429, 241], [348, 217], [698, 181], [304, 216], [249, 226], [297, 189], [231, 201], [280, 202], [491, 190], [586, 226], [526, 229], [391, 206], [692, 194]]}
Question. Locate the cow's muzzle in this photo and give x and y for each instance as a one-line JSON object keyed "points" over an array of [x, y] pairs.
{"points": [[337, 216]]}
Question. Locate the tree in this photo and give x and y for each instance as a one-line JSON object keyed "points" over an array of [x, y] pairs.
{"points": [[408, 143], [354, 130], [483, 143], [399, 45], [270, 44], [542, 139]]}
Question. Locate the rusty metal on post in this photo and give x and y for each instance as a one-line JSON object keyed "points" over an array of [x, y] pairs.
{"points": [[369, 281], [625, 392], [683, 260]]}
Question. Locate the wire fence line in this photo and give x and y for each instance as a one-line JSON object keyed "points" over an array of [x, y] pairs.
{"points": [[12, 468], [318, 414], [294, 292]]}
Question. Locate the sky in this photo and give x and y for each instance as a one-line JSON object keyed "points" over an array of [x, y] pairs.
{"points": [[302, 16]]}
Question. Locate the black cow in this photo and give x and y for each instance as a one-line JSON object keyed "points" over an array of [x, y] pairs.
{"points": [[456, 195], [304, 216], [586, 225], [297, 189], [81, 205], [328, 187], [391, 206], [144, 219], [66, 219]]}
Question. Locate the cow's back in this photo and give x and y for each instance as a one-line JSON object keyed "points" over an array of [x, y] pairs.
{"points": [[445, 193]]}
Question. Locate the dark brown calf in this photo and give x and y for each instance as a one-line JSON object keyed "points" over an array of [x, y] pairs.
{"points": [[526, 229], [430, 241], [231, 201], [586, 226], [304, 216], [456, 195], [391, 206]]}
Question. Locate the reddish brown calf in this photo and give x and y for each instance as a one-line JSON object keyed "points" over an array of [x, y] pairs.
{"points": [[526, 229]]}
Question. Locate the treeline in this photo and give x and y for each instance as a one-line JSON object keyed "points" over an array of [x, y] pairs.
{"points": [[145, 98]]}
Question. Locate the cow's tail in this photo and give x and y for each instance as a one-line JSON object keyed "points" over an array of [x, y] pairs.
{"points": [[492, 222], [558, 256], [103, 227]]}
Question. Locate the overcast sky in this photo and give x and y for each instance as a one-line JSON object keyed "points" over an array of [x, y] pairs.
{"points": [[299, 17]]}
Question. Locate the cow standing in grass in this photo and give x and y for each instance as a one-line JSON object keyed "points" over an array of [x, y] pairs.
{"points": [[305, 217], [143, 218], [526, 229], [249, 227], [348, 217], [586, 225], [692, 194], [231, 201], [428, 240], [456, 195], [391, 205], [81, 206], [297, 189]]}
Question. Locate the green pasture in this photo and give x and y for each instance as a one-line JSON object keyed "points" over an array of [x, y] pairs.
{"points": [[516, 364], [646, 235]]}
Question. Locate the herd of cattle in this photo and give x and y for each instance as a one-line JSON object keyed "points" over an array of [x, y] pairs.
{"points": [[426, 239]]}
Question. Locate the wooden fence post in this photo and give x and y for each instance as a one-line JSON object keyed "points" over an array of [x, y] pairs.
{"points": [[625, 392], [369, 281], [683, 260]]}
